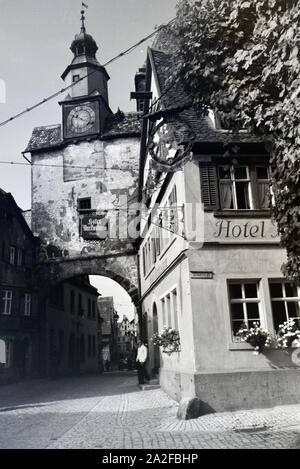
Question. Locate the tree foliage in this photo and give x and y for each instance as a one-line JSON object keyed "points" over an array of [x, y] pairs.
{"points": [[242, 58]]}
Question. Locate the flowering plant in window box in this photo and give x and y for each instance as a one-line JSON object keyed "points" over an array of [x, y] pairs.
{"points": [[288, 333], [255, 336], [168, 339]]}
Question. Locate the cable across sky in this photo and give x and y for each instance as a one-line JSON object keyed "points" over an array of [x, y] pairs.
{"points": [[62, 90]]}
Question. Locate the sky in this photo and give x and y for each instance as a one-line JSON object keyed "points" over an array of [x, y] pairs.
{"points": [[122, 301], [35, 36]]}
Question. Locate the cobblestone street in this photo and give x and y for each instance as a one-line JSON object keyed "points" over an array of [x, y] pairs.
{"points": [[110, 411]]}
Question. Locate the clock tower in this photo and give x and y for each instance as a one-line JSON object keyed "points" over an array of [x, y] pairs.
{"points": [[84, 167], [85, 109]]}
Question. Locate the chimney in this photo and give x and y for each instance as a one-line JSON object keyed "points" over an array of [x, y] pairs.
{"points": [[140, 85]]}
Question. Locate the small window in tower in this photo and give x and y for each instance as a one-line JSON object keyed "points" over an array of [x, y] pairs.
{"points": [[75, 78], [84, 204]]}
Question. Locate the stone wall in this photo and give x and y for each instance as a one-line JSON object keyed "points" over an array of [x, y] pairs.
{"points": [[107, 173]]}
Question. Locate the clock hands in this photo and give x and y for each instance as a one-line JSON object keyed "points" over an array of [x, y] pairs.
{"points": [[82, 119], [78, 117]]}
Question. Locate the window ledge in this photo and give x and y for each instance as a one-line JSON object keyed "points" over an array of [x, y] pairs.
{"points": [[242, 213], [239, 346]]}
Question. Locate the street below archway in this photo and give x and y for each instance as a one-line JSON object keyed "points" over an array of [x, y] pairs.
{"points": [[110, 411]]}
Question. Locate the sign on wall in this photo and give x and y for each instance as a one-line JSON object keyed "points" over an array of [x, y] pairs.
{"points": [[237, 229], [243, 230], [93, 226]]}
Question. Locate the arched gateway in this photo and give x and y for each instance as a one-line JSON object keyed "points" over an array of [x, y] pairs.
{"points": [[121, 268], [85, 179]]}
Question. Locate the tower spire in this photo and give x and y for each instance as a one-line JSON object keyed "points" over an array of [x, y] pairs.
{"points": [[82, 22], [84, 61]]}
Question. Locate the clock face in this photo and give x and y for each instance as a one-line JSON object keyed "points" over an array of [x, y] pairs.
{"points": [[81, 119]]}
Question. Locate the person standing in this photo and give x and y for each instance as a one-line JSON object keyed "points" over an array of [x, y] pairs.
{"points": [[142, 355]]}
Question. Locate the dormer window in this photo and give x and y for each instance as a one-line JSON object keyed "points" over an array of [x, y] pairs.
{"points": [[222, 124], [75, 78], [218, 123]]}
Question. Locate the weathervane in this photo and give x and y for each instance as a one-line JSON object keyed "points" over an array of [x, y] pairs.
{"points": [[83, 17]]}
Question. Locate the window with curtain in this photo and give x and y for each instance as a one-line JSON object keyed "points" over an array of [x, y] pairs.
{"points": [[235, 188], [244, 305], [238, 186]]}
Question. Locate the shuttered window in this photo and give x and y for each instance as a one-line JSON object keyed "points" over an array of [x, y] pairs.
{"points": [[236, 186], [209, 186]]}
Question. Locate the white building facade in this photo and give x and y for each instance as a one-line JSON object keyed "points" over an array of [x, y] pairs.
{"points": [[210, 259]]}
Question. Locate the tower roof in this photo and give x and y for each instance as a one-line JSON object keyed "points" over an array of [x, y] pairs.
{"points": [[83, 43], [84, 48]]}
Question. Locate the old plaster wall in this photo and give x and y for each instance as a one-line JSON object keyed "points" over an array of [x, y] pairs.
{"points": [[103, 171], [107, 172], [214, 347]]}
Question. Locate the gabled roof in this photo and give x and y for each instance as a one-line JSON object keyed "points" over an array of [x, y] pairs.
{"points": [[45, 137], [7, 200], [188, 120], [50, 136]]}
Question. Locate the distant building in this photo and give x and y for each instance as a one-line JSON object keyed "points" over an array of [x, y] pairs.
{"points": [[126, 338], [109, 330], [19, 312], [70, 328]]}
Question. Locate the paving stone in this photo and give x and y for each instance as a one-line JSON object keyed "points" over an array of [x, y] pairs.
{"points": [[110, 411]]}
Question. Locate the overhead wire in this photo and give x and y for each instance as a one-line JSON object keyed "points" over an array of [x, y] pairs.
{"points": [[127, 51], [65, 166], [52, 96], [62, 90]]}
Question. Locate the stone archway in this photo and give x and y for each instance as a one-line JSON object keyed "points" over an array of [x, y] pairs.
{"points": [[122, 268]]}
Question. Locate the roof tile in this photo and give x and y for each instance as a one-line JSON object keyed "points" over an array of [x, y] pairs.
{"points": [[189, 120], [50, 136], [45, 137], [128, 124]]}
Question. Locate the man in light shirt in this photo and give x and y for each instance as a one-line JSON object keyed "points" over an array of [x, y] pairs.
{"points": [[142, 354]]}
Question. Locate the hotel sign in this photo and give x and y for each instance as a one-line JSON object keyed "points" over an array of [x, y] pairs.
{"points": [[93, 226], [245, 230]]}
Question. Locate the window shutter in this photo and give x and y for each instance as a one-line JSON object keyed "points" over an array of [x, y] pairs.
{"points": [[209, 186]]}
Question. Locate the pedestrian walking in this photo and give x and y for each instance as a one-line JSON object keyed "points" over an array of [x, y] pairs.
{"points": [[142, 355]]}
